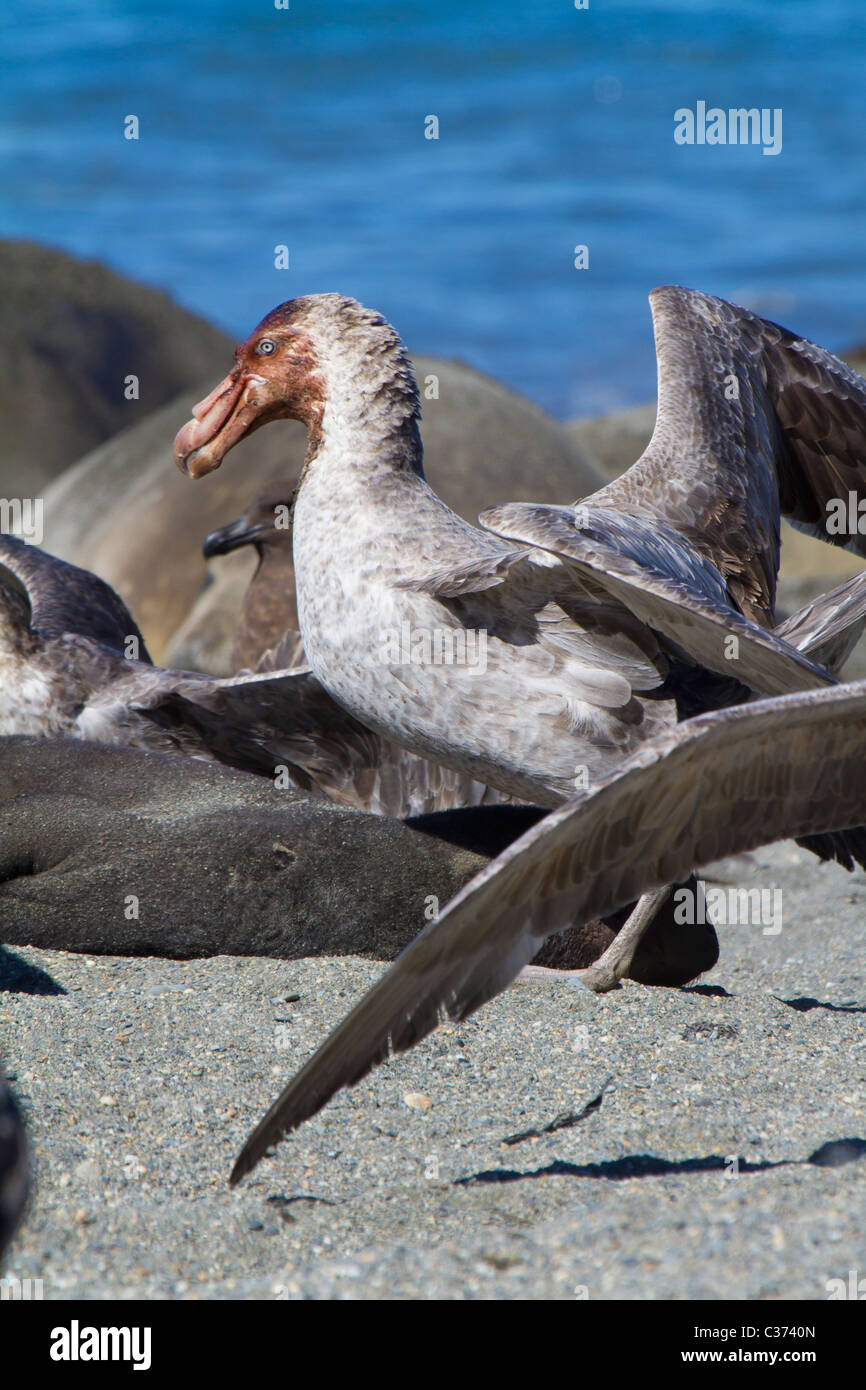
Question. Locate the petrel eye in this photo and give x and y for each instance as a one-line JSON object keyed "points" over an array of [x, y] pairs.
{"points": [[266, 347]]}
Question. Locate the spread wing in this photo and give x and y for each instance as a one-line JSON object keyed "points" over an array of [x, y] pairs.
{"points": [[527, 598], [665, 584], [286, 719], [66, 599], [288, 654], [752, 421], [829, 627], [716, 785]]}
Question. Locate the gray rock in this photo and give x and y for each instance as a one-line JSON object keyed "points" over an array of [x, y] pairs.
{"points": [[856, 358], [206, 637], [72, 331], [613, 442], [126, 512]]}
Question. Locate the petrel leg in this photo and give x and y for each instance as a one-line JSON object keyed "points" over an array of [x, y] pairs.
{"points": [[606, 972]]}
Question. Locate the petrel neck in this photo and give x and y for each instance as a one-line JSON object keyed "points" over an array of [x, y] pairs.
{"points": [[368, 412], [371, 443]]}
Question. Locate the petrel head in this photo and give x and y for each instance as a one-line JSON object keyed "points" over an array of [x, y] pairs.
{"points": [[309, 354], [267, 521]]}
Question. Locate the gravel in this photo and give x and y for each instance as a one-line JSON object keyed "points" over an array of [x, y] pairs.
{"points": [[141, 1077]]}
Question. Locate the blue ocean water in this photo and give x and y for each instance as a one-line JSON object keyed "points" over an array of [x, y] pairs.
{"points": [[305, 127]]}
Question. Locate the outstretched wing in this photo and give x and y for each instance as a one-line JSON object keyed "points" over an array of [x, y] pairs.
{"points": [[287, 655], [65, 599], [752, 421], [262, 722], [828, 628], [527, 598], [716, 785], [666, 584]]}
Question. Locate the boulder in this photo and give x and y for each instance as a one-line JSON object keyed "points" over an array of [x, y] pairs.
{"points": [[72, 331], [205, 639], [613, 442]]}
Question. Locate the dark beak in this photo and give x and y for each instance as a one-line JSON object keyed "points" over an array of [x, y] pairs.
{"points": [[231, 537]]}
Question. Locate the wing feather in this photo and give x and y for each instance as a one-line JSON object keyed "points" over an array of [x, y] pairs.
{"points": [[667, 585], [752, 421], [65, 599]]}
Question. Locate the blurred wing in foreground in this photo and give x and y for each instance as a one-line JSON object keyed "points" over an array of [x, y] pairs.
{"points": [[713, 786]]}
